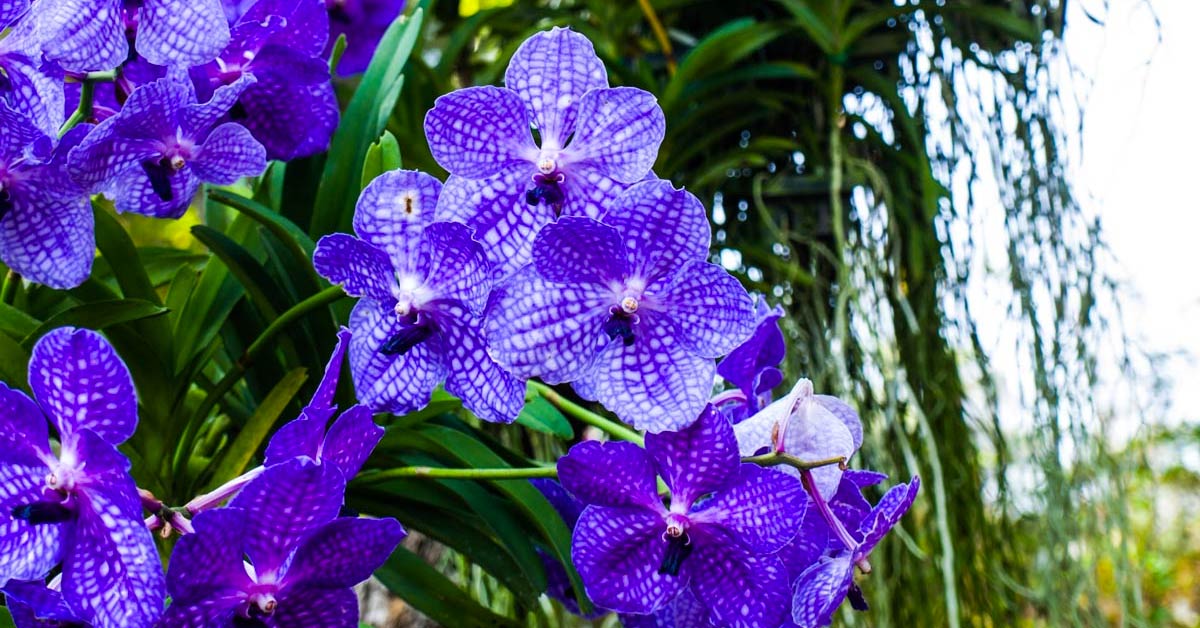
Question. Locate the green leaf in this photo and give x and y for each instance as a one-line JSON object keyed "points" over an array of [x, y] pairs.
{"points": [[530, 500], [236, 457], [383, 156], [721, 49], [97, 315], [542, 416], [411, 579], [263, 291], [16, 323], [363, 122], [14, 360], [122, 257]]}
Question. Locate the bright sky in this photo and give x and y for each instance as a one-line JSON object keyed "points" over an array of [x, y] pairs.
{"points": [[1141, 164]]}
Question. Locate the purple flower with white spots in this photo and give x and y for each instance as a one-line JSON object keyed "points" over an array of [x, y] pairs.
{"points": [[629, 310], [821, 588], [29, 85], [595, 141], [346, 444], [754, 366], [278, 556], [717, 536], [291, 107], [92, 35], [363, 22], [423, 286], [81, 507], [152, 156], [46, 229], [810, 427]]}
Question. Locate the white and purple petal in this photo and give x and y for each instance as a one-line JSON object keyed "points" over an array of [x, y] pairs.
{"points": [[455, 265], [24, 437], [552, 71], [486, 389], [393, 210], [284, 504], [741, 589], [711, 309], [618, 552], [478, 132], [82, 35], [350, 440], [619, 132], [229, 153], [887, 514], [343, 553], [181, 32], [33, 88], [664, 228], [82, 384], [761, 510], [820, 590], [537, 328], [27, 552], [112, 576], [699, 459], [612, 474], [655, 383], [580, 250], [358, 267]]}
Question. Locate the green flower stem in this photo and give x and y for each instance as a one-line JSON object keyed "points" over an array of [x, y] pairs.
{"points": [[778, 458], [581, 413], [83, 112], [525, 473], [231, 378], [8, 293], [517, 473]]}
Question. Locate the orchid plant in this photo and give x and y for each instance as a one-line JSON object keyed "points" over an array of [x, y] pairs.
{"points": [[551, 255]]}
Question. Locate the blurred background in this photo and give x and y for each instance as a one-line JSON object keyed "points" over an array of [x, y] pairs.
{"points": [[980, 217]]}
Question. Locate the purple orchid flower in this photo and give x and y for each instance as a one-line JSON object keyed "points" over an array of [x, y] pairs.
{"points": [[595, 141], [754, 365], [630, 311], [346, 444], [363, 22], [152, 156], [810, 427], [724, 522], [80, 508], [46, 230], [92, 35], [821, 588], [423, 287], [291, 107], [278, 556], [29, 85]]}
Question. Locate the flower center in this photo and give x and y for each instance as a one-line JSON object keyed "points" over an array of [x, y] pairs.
{"points": [[547, 183], [620, 324], [679, 545], [161, 170], [415, 327]]}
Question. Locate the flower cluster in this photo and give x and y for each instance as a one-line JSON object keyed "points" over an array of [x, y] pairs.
{"points": [[242, 564], [190, 92], [565, 260]]}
